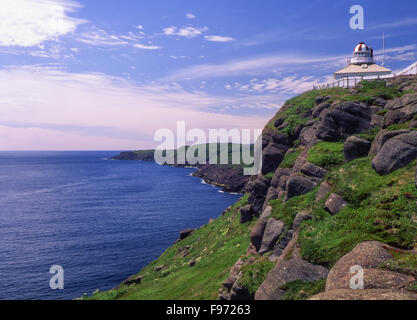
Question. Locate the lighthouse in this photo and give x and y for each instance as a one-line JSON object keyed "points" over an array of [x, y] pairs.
{"points": [[362, 65]]}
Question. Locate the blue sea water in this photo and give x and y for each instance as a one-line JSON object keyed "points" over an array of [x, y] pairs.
{"points": [[101, 220]]}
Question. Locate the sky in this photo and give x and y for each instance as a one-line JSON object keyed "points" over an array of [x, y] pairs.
{"points": [[106, 75]]}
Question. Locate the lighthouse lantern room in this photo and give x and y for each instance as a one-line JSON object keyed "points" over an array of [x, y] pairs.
{"points": [[362, 64]]}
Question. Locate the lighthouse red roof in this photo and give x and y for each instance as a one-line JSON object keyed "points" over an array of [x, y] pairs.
{"points": [[361, 47]]}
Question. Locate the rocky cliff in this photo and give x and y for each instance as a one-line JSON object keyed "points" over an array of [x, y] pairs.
{"points": [[338, 190], [229, 177]]}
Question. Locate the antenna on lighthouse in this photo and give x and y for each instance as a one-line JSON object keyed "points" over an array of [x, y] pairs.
{"points": [[383, 49]]}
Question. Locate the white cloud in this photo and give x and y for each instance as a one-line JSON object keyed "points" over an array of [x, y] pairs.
{"points": [[219, 39], [253, 66], [190, 16], [49, 108], [146, 47], [395, 24], [100, 37], [28, 23], [188, 32]]}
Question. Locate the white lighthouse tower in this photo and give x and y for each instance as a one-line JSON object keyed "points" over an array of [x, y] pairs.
{"points": [[362, 65]]}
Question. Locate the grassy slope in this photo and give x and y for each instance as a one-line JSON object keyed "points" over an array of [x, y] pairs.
{"points": [[216, 246]]}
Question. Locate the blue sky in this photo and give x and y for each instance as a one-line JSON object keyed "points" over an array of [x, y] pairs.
{"points": [[101, 75]]}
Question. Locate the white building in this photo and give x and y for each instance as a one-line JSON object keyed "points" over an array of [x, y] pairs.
{"points": [[362, 65]]}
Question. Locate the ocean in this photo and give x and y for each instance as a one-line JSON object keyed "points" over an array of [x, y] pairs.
{"points": [[101, 220]]}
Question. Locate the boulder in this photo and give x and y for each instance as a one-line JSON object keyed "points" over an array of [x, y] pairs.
{"points": [[308, 136], [273, 231], [185, 233], [272, 157], [300, 218], [377, 121], [378, 101], [396, 153], [324, 189], [335, 203], [401, 109], [278, 122], [287, 271], [343, 120], [258, 229], [282, 244], [383, 137], [246, 213], [355, 147], [134, 280], [271, 195], [259, 186], [313, 171], [298, 185], [368, 255], [277, 176], [319, 109], [370, 294], [375, 279]]}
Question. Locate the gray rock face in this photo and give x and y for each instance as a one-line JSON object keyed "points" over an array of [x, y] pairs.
{"points": [[335, 203], [288, 271], [298, 185], [343, 120], [377, 121], [319, 109], [246, 213], [368, 255], [383, 137], [273, 231], [308, 136], [277, 176], [323, 191], [271, 195], [282, 244], [258, 229], [355, 147], [300, 218], [401, 109], [396, 153], [272, 157], [186, 233], [313, 171], [134, 280]]}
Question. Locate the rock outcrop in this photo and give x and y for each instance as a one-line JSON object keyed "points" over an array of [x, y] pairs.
{"points": [[396, 153], [289, 267], [273, 230], [297, 186], [343, 120], [335, 203], [401, 110], [378, 284], [355, 147]]}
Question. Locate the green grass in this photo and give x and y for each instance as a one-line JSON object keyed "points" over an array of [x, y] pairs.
{"points": [[302, 290], [381, 208], [216, 247], [254, 274], [367, 90], [269, 176], [287, 211], [369, 135], [290, 157], [326, 154], [404, 262]]}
